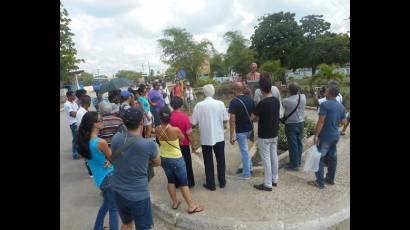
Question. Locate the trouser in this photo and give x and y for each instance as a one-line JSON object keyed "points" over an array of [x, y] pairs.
{"points": [[329, 154], [268, 153], [186, 152], [219, 150], [243, 147], [294, 136], [74, 134]]}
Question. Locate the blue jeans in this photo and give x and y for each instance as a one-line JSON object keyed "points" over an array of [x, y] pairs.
{"points": [[329, 154], [109, 205], [243, 146], [175, 170], [73, 128], [139, 211], [294, 136]]}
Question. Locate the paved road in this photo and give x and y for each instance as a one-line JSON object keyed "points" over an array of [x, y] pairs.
{"points": [[79, 197]]}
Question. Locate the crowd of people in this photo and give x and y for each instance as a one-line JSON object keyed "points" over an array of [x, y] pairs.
{"points": [[117, 144]]}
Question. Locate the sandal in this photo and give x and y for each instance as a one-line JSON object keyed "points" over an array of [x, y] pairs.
{"points": [[178, 203], [196, 209], [315, 184]]}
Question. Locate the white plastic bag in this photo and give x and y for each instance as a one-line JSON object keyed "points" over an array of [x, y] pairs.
{"points": [[312, 159]]}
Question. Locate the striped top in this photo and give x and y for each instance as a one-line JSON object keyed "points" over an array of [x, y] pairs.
{"points": [[111, 126]]}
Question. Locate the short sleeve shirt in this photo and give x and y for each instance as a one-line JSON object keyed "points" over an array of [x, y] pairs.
{"points": [[130, 177], [210, 114], [242, 121], [333, 112], [181, 120], [268, 112], [156, 97]]}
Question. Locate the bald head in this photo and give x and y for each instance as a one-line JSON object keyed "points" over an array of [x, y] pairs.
{"points": [[238, 88]]}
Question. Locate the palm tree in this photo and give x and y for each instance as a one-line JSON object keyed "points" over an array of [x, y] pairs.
{"points": [[326, 73]]}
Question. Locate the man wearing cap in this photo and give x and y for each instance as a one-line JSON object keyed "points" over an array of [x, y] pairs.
{"points": [[156, 100], [70, 107], [126, 100], [130, 180]]}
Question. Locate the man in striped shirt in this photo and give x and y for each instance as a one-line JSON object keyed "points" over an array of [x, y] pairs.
{"points": [[111, 123]]}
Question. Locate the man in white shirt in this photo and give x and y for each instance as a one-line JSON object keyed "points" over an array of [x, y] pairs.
{"points": [[85, 102], [210, 115], [70, 107]]}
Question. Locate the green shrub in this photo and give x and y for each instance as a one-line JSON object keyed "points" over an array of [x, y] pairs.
{"points": [[309, 130], [202, 82]]}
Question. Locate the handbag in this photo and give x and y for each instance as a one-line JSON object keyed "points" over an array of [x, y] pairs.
{"points": [[252, 135], [284, 118], [127, 144]]}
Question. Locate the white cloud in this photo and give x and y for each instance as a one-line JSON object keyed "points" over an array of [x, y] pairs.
{"points": [[112, 35]]}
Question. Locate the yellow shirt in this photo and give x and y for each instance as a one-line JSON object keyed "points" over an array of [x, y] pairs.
{"points": [[169, 151]]}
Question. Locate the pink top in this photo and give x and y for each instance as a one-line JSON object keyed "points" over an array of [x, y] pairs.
{"points": [[177, 91], [181, 120]]}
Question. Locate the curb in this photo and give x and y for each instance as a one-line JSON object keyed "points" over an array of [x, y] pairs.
{"points": [[197, 222]]}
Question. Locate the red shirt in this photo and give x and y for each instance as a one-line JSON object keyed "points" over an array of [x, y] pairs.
{"points": [[181, 120], [177, 91]]}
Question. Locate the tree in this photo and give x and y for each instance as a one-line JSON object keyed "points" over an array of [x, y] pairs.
{"points": [[181, 51], [274, 67], [68, 60], [217, 63], [276, 37], [314, 26], [329, 49], [87, 78], [319, 45], [129, 74], [327, 73], [238, 56]]}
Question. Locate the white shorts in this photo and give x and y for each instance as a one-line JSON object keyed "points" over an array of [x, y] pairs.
{"points": [[148, 121]]}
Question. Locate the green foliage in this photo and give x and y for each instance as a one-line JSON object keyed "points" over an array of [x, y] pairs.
{"points": [[274, 67], [309, 130], [181, 51], [217, 63], [129, 74], [202, 82], [326, 73], [276, 37], [314, 26], [238, 56], [68, 53]]}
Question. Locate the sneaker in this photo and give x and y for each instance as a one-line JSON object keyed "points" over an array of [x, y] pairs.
{"points": [[76, 157], [242, 177], [222, 185], [91, 176], [274, 184], [262, 187], [329, 182]]}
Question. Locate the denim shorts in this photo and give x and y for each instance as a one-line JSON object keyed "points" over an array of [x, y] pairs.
{"points": [[175, 170], [139, 211]]}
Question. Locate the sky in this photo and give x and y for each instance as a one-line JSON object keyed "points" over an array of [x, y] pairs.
{"points": [[122, 34]]}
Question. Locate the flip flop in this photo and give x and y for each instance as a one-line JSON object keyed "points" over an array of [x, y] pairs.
{"points": [[179, 203], [196, 210]]}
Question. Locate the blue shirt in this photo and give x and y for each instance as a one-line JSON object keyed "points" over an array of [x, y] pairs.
{"points": [[144, 102], [97, 162], [131, 167], [333, 112], [156, 96]]}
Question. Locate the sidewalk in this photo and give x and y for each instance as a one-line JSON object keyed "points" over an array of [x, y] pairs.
{"points": [[292, 205]]}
